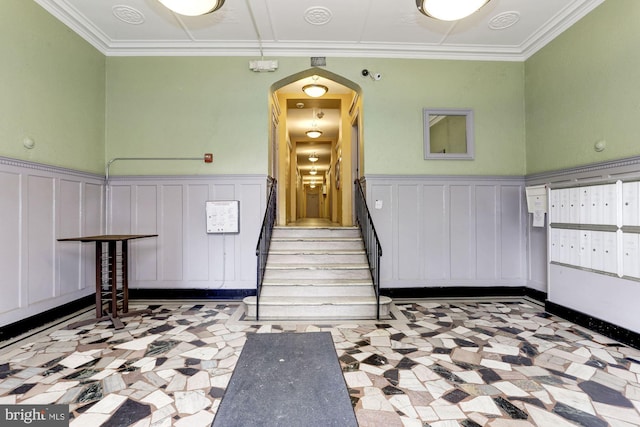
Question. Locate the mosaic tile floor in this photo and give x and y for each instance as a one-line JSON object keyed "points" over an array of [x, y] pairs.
{"points": [[439, 364]]}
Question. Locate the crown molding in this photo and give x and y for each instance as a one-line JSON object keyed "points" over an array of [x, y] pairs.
{"points": [[304, 49], [89, 32]]}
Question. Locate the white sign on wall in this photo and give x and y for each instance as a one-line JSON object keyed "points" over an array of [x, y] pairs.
{"points": [[223, 216]]}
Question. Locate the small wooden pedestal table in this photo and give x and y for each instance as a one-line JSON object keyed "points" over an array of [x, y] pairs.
{"points": [[112, 314]]}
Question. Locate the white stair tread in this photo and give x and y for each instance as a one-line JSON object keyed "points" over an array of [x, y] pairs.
{"points": [[317, 273], [317, 252], [315, 301], [319, 227], [283, 266], [317, 282], [316, 239]]}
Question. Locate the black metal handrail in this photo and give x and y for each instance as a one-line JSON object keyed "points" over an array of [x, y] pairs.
{"points": [[264, 240], [370, 238]]}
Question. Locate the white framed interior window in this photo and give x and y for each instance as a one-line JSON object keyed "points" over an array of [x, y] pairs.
{"points": [[448, 134]]}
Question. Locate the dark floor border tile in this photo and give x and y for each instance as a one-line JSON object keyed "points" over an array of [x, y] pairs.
{"points": [[464, 292], [618, 333], [36, 321], [50, 316], [222, 294]]}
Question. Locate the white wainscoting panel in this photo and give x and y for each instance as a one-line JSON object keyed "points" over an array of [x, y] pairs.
{"points": [[487, 233], [10, 233], [38, 205], [184, 256], [40, 239], [408, 223], [450, 231], [462, 232], [512, 219], [70, 224], [435, 254]]}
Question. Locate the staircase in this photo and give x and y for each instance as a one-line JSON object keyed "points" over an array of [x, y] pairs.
{"points": [[317, 273]]}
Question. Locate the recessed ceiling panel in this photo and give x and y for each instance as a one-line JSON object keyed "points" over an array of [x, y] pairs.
{"points": [[400, 22], [232, 22], [129, 20], [327, 20], [508, 24]]}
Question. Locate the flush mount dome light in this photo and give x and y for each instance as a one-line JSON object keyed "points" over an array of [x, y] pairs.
{"points": [[192, 7], [449, 10], [315, 90], [314, 133]]}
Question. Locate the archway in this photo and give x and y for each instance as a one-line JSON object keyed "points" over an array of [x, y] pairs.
{"points": [[317, 170]]}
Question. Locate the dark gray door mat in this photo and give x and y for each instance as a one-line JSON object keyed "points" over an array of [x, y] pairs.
{"points": [[287, 379]]}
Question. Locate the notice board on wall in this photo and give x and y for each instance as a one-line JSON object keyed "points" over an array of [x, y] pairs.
{"points": [[223, 216]]}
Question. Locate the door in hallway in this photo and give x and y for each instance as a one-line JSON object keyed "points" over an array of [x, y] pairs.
{"points": [[313, 205]]}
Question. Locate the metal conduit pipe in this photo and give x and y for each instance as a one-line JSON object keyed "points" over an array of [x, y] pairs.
{"points": [[208, 158]]}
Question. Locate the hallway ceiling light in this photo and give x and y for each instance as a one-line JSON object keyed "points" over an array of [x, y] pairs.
{"points": [[314, 132], [313, 171], [315, 90], [313, 158], [449, 10], [192, 7]]}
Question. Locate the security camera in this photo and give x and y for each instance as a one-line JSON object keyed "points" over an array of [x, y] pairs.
{"points": [[374, 76]]}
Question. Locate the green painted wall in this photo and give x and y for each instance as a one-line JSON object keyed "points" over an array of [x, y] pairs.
{"points": [[83, 109], [52, 86], [584, 87], [184, 107]]}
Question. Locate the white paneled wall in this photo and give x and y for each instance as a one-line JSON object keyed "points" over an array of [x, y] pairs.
{"points": [[450, 231], [38, 205], [435, 231], [184, 256]]}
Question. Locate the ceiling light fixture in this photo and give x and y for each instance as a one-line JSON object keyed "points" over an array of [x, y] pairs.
{"points": [[314, 132], [313, 158], [449, 10], [313, 171], [192, 7], [315, 90]]}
